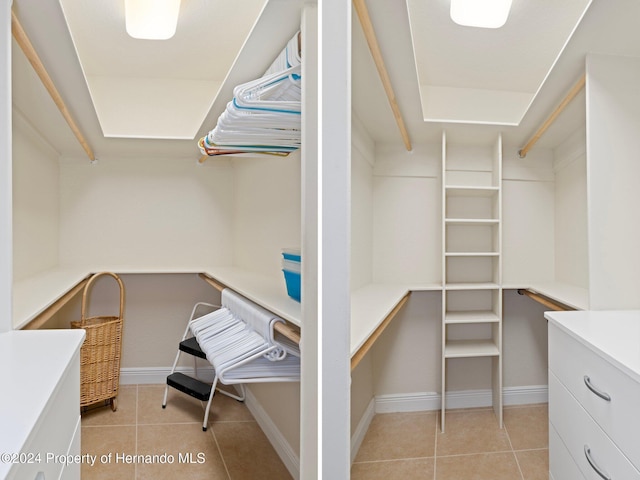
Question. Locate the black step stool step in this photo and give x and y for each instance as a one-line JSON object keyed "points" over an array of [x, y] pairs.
{"points": [[189, 385], [190, 346]]}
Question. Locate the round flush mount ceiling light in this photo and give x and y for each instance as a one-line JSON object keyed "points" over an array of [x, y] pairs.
{"points": [[480, 13]]}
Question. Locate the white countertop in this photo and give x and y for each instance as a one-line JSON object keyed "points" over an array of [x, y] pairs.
{"points": [[31, 366], [613, 335]]}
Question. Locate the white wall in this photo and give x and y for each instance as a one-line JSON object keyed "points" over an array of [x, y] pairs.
{"points": [[528, 233], [157, 309], [406, 358], [6, 256], [147, 213], [35, 201], [406, 214], [613, 170], [362, 160], [524, 345], [266, 212], [571, 253]]}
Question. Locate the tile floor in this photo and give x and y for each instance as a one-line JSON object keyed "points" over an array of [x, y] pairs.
{"points": [[233, 447], [407, 446], [411, 446]]}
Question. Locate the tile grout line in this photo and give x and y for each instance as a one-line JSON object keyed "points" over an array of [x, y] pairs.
{"points": [[435, 448], [476, 453], [389, 460], [135, 470], [513, 452], [215, 439], [224, 463]]}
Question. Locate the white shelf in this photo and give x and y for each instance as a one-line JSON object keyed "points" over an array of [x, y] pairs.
{"points": [[470, 348], [370, 305], [33, 295], [570, 295], [471, 263], [268, 292], [470, 191], [472, 254], [472, 316], [472, 221], [472, 286]]}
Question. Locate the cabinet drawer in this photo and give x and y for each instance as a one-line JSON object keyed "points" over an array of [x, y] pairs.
{"points": [[571, 361], [579, 432], [561, 464], [73, 470], [55, 429]]}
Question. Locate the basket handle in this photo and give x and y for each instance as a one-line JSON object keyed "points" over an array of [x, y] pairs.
{"points": [[85, 294]]}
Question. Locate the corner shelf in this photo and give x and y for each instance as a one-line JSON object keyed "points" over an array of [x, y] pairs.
{"points": [[471, 348], [471, 286], [471, 316], [472, 254], [472, 262]]}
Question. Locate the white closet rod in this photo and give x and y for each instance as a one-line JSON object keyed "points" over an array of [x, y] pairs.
{"points": [[572, 93], [25, 44], [370, 35]]}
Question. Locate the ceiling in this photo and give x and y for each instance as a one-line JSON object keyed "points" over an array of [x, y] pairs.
{"points": [[487, 75], [159, 88], [608, 26]]}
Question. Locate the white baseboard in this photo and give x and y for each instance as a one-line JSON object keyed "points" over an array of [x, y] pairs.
{"points": [[155, 375], [361, 428], [418, 402], [279, 443]]}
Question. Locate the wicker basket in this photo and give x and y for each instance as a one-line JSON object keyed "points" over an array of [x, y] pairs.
{"points": [[101, 351]]}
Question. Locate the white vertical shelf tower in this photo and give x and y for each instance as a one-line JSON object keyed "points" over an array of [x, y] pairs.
{"points": [[471, 260]]}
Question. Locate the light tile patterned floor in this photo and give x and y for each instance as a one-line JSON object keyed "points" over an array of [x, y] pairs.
{"points": [[403, 446], [233, 447], [410, 446]]}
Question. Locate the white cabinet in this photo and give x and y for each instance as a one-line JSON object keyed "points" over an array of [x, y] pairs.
{"points": [[594, 393], [471, 260], [40, 407]]}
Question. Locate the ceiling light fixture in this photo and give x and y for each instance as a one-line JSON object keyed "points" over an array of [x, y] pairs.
{"points": [[151, 19], [480, 13]]}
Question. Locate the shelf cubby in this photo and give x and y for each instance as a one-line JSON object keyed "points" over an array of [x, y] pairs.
{"points": [[472, 261]]}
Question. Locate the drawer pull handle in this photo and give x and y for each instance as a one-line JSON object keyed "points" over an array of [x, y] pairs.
{"points": [[598, 392], [599, 471]]}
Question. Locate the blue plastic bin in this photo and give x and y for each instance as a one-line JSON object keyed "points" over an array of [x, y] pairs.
{"points": [[291, 254], [292, 279]]}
